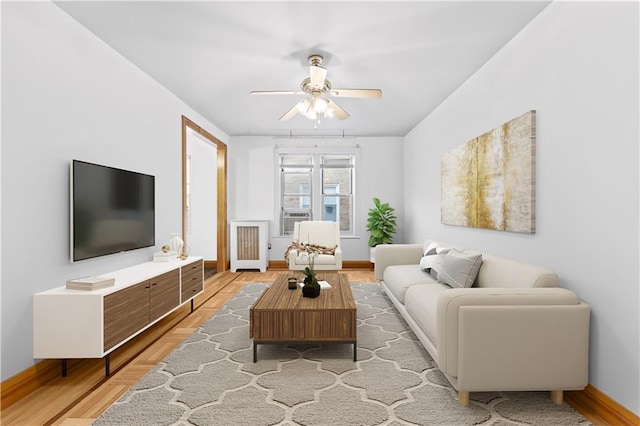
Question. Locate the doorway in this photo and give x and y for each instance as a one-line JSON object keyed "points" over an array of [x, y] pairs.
{"points": [[221, 190]]}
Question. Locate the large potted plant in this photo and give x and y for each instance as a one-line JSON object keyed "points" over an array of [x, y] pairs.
{"points": [[381, 223]]}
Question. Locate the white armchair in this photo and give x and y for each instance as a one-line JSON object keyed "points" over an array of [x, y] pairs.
{"points": [[322, 233]]}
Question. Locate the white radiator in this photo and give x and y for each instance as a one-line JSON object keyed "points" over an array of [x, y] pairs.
{"points": [[249, 244]]}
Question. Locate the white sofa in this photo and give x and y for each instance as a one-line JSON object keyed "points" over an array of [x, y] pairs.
{"points": [[514, 329]]}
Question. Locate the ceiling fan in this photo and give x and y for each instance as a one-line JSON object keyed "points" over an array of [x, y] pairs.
{"points": [[318, 90]]}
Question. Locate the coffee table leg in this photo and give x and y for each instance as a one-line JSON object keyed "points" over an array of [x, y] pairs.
{"points": [[355, 351], [255, 352]]}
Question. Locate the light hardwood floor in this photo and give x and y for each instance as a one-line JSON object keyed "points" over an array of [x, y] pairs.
{"points": [[79, 398], [85, 393]]}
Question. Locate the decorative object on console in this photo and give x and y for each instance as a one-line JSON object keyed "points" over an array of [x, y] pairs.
{"points": [[185, 252], [90, 283], [164, 257], [175, 244], [165, 248], [489, 182]]}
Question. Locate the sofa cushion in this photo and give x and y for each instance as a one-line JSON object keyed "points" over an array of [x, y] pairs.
{"points": [[459, 269], [399, 278], [421, 302]]}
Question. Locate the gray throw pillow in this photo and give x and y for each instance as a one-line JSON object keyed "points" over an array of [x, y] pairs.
{"points": [[459, 269]]}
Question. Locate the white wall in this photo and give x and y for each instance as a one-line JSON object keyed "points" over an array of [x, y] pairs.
{"points": [[252, 186], [202, 236], [577, 65], [66, 95]]}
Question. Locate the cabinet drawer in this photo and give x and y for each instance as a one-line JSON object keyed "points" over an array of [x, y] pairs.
{"points": [[195, 268], [192, 280], [165, 294], [125, 312], [191, 285]]}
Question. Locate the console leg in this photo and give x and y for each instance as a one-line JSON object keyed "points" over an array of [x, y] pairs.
{"points": [[191, 305], [255, 352], [355, 351], [64, 368], [107, 365]]}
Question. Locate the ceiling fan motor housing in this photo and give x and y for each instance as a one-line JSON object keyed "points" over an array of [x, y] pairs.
{"points": [[312, 89]]}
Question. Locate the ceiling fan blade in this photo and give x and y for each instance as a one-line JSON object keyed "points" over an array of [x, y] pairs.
{"points": [[276, 92], [357, 93], [337, 111], [317, 75], [301, 106]]}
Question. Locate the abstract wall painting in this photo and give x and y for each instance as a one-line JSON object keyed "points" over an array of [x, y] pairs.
{"points": [[489, 182]]}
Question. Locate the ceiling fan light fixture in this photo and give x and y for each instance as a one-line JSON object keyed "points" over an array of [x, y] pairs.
{"points": [[304, 106], [320, 106]]}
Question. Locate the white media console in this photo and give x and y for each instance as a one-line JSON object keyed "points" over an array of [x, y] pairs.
{"points": [[91, 324]]}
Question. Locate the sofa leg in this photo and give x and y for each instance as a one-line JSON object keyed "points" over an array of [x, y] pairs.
{"points": [[556, 396], [463, 398]]}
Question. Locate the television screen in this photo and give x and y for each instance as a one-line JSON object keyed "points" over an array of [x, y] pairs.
{"points": [[112, 210]]}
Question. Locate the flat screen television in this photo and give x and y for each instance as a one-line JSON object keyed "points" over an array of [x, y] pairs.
{"points": [[112, 210]]}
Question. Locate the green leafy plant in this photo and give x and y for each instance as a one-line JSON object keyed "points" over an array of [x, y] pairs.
{"points": [[381, 223]]}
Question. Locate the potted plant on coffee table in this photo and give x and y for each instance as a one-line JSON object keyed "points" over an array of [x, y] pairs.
{"points": [[381, 223]]}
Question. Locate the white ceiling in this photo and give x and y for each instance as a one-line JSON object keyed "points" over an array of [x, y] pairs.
{"points": [[212, 54]]}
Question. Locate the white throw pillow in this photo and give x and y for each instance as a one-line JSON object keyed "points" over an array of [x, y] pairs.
{"points": [[432, 259], [459, 269]]}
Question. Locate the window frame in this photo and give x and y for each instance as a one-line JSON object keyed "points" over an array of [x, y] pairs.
{"points": [[317, 190]]}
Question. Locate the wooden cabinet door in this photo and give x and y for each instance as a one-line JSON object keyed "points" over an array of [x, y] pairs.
{"points": [[165, 294], [125, 312]]}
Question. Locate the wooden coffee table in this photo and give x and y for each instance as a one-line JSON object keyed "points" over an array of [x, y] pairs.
{"points": [[281, 315]]}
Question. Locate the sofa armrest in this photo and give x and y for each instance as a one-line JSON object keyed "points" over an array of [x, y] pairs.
{"points": [[396, 254], [513, 339]]}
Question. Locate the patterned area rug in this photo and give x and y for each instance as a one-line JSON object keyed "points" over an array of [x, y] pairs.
{"points": [[211, 380]]}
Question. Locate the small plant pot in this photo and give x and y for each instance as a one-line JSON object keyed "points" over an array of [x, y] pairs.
{"points": [[310, 291]]}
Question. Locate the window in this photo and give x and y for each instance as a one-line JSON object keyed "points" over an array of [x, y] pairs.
{"points": [[316, 186]]}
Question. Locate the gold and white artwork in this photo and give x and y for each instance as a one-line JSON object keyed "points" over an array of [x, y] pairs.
{"points": [[489, 182]]}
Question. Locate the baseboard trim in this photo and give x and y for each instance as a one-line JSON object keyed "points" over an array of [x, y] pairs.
{"points": [[277, 264], [210, 263], [346, 264], [22, 384], [596, 406]]}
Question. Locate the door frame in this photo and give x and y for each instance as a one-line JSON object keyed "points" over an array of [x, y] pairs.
{"points": [[221, 166]]}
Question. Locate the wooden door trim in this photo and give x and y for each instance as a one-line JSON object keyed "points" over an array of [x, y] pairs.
{"points": [[221, 166]]}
